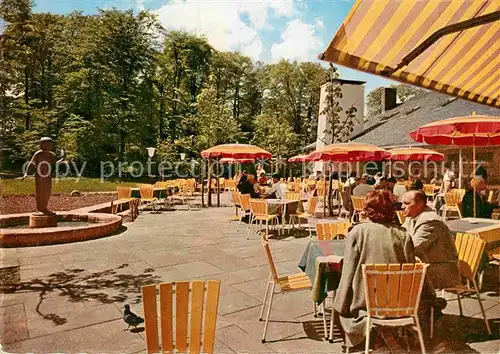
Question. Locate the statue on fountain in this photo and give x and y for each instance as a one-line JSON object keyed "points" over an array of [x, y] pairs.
{"points": [[43, 161]]}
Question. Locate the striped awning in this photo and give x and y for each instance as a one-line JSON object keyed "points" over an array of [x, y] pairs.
{"points": [[450, 46]]}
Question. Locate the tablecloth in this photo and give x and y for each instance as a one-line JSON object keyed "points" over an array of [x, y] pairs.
{"points": [[323, 272]]}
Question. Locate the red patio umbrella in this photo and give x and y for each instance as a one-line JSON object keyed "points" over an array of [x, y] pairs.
{"points": [[350, 152], [236, 151], [464, 131], [300, 158], [231, 161], [415, 154]]}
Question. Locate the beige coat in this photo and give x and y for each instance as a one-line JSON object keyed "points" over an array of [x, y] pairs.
{"points": [[434, 244], [367, 243]]}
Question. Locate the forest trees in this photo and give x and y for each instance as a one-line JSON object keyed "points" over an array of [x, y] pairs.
{"points": [[108, 85]]}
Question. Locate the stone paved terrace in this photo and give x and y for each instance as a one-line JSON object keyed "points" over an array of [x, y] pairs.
{"points": [[71, 295]]}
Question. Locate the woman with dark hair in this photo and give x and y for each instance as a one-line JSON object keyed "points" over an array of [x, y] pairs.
{"points": [[246, 187], [380, 240]]}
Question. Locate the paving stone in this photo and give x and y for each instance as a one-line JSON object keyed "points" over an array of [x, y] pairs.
{"points": [[40, 326], [106, 337], [8, 310], [241, 342], [236, 301], [229, 263], [14, 328], [54, 343], [198, 269]]}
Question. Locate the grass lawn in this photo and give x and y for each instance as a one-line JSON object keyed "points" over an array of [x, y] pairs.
{"points": [[61, 185]]}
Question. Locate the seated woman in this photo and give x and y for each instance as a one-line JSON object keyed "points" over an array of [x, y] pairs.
{"points": [[378, 241], [262, 179], [245, 187], [483, 208]]}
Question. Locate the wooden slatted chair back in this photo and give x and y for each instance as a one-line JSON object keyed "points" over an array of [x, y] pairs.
{"points": [[332, 231], [236, 198], [393, 290], [358, 203], [146, 192], [267, 250], [453, 198], [401, 216], [470, 249], [143, 185], [429, 190], [258, 207], [311, 205], [190, 308], [292, 196], [297, 188], [123, 192], [245, 202]]}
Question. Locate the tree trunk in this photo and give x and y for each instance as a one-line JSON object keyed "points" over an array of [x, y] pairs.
{"points": [[202, 179]]}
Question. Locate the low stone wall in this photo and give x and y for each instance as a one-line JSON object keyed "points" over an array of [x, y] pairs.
{"points": [[101, 225]]}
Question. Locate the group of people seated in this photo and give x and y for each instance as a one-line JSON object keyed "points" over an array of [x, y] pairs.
{"points": [[248, 185], [423, 237]]}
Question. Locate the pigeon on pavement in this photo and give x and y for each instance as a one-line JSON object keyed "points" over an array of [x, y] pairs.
{"points": [[131, 318]]}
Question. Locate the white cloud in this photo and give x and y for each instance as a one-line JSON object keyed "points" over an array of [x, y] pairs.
{"points": [[298, 41], [140, 5], [221, 21]]}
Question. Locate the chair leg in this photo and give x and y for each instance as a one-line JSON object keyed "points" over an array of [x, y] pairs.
{"points": [[420, 334], [265, 297], [431, 335], [268, 313], [367, 335], [325, 328], [481, 306], [332, 319], [315, 309], [239, 222], [459, 304], [250, 226]]}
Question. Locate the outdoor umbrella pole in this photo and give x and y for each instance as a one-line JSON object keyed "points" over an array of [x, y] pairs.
{"points": [[474, 168], [209, 182], [460, 168], [218, 184], [324, 190], [202, 177]]}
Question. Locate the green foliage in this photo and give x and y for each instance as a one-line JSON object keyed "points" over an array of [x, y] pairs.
{"points": [[106, 86], [339, 126]]}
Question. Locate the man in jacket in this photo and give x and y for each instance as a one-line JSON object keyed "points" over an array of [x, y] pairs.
{"points": [[432, 239]]}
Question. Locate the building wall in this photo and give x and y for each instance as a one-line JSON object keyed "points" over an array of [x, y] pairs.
{"points": [[352, 95]]}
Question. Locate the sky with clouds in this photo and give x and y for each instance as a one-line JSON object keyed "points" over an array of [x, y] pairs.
{"points": [[266, 30]]}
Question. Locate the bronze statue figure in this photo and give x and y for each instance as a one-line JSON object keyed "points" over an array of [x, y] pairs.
{"points": [[43, 160]]}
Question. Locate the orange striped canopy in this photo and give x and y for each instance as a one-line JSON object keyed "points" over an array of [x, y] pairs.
{"points": [[236, 151], [349, 152], [300, 158], [415, 154], [450, 46], [470, 130], [230, 160]]}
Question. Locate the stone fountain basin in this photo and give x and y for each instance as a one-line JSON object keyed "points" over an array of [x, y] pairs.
{"points": [[99, 225]]}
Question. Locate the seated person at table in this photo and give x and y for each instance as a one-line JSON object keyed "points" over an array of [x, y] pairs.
{"points": [[245, 187], [262, 179], [377, 241], [362, 188], [277, 191], [416, 183], [381, 184], [436, 179], [432, 240], [483, 208]]}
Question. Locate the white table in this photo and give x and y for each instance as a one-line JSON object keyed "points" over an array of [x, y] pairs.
{"points": [[284, 203]]}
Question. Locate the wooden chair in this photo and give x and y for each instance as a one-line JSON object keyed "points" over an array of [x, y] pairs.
{"points": [[292, 196], [453, 202], [235, 198], [310, 213], [470, 249], [147, 196], [429, 190], [123, 194], [358, 204], [332, 231], [285, 284], [392, 293], [259, 210], [401, 216], [194, 317], [246, 208]]}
